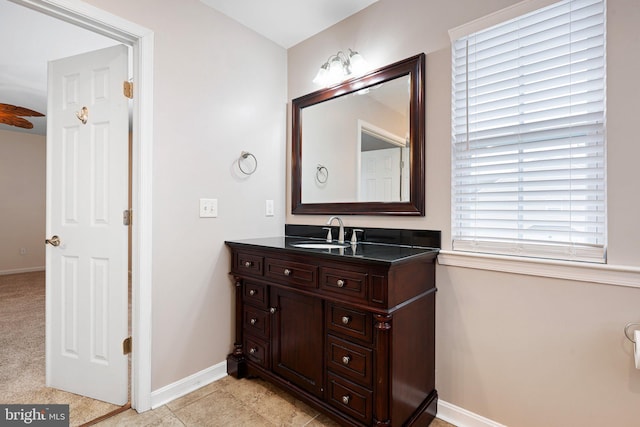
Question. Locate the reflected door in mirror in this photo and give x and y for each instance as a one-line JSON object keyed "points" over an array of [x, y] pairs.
{"points": [[384, 160]]}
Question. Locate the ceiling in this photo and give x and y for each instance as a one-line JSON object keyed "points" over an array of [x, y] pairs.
{"points": [[35, 38], [288, 22]]}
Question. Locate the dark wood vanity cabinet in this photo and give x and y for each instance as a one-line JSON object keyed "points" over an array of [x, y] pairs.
{"points": [[353, 337]]}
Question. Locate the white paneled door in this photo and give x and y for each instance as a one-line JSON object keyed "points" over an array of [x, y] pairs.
{"points": [[87, 192], [380, 175]]}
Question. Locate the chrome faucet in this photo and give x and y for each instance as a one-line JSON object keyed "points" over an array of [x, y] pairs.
{"points": [[341, 232]]}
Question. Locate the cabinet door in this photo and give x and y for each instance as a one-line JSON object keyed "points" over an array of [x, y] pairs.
{"points": [[297, 339]]}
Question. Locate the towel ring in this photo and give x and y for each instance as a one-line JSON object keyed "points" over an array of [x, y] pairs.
{"points": [[322, 174], [626, 331], [243, 156]]}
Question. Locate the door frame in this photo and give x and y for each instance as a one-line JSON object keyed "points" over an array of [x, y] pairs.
{"points": [[140, 39]]}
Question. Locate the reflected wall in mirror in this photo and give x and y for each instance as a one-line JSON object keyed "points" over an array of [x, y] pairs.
{"points": [[358, 147]]}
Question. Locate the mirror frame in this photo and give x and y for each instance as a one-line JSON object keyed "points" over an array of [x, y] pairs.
{"points": [[415, 67]]}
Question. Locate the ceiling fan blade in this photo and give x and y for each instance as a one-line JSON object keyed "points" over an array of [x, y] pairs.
{"points": [[16, 121], [18, 111]]}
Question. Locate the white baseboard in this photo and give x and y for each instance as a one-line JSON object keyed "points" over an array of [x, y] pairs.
{"points": [[186, 385], [21, 270], [460, 417]]}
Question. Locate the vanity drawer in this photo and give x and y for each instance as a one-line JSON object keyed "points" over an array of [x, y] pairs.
{"points": [[248, 264], [346, 321], [257, 350], [344, 283], [350, 360], [350, 398], [256, 321], [293, 273], [255, 294]]}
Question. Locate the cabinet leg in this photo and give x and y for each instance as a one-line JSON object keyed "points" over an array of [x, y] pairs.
{"points": [[236, 366]]}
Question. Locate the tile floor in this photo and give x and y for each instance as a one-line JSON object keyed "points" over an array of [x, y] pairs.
{"points": [[232, 402]]}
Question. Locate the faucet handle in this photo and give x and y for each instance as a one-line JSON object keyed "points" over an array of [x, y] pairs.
{"points": [[329, 237], [354, 239]]}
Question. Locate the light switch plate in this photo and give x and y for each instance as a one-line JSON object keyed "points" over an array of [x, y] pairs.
{"points": [[208, 208], [268, 208]]}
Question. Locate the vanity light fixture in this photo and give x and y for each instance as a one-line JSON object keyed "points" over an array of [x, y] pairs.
{"points": [[340, 66]]}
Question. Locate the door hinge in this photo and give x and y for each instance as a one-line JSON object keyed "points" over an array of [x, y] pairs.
{"points": [[126, 346], [127, 88], [127, 216]]}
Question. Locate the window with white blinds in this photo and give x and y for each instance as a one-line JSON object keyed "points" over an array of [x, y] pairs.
{"points": [[528, 135]]}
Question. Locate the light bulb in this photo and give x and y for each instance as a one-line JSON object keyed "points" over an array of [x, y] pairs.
{"points": [[322, 76], [358, 64], [336, 71]]}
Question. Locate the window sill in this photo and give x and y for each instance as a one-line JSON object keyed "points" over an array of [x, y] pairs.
{"points": [[607, 274]]}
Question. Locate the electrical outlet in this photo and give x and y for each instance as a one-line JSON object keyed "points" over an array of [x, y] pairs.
{"points": [[23, 251], [268, 208], [208, 208]]}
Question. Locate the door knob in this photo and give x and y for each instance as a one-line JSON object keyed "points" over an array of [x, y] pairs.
{"points": [[54, 241]]}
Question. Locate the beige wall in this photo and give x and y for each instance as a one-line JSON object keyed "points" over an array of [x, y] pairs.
{"points": [[520, 350], [22, 201], [218, 89]]}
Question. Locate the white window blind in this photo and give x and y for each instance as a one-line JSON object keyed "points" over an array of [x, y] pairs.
{"points": [[528, 135]]}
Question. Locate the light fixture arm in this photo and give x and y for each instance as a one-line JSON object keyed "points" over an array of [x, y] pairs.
{"points": [[345, 61]]}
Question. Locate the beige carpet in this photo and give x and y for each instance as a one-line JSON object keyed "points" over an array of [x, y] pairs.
{"points": [[22, 350]]}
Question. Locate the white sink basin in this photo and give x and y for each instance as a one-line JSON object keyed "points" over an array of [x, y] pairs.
{"points": [[319, 245]]}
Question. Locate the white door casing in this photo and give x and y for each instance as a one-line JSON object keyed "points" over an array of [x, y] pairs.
{"points": [[87, 189], [405, 178]]}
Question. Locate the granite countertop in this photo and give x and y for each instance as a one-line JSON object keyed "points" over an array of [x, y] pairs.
{"points": [[379, 252]]}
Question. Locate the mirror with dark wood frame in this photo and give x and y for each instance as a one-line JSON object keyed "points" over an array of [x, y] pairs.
{"points": [[363, 144]]}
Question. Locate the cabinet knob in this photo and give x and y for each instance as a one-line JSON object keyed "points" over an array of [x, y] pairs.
{"points": [[247, 264], [252, 292], [346, 319], [253, 321], [346, 359], [272, 310], [253, 350], [287, 272], [340, 283], [345, 399]]}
